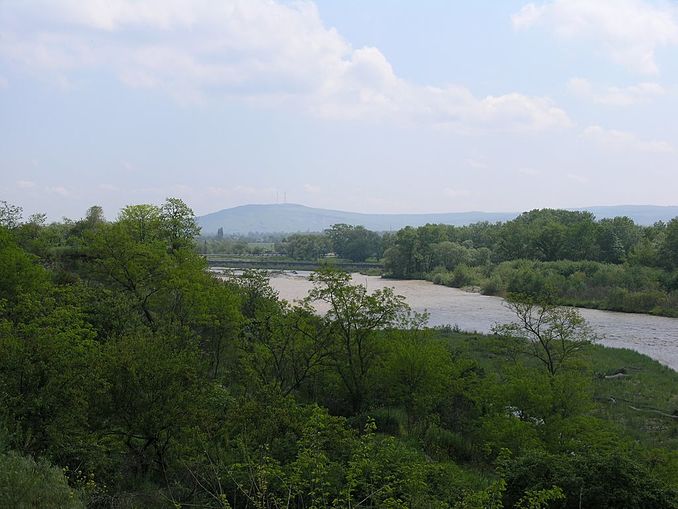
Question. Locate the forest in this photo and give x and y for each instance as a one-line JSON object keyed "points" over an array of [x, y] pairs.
{"points": [[131, 377]]}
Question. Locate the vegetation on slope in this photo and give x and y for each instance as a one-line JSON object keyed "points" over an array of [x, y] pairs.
{"points": [[145, 382]]}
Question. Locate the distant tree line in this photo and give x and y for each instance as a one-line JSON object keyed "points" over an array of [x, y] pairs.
{"points": [[354, 243], [542, 235], [562, 255]]}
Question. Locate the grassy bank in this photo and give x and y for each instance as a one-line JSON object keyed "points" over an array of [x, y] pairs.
{"points": [[594, 285], [628, 389]]}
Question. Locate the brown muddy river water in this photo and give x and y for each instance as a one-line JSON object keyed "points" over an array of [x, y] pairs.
{"points": [[654, 336]]}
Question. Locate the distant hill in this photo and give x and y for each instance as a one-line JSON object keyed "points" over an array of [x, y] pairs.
{"points": [[299, 218], [289, 218]]}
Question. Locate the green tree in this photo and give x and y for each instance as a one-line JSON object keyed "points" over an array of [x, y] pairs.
{"points": [[49, 377], [354, 242], [616, 238], [550, 241], [148, 254], [588, 481], [18, 272], [552, 334], [402, 258], [26, 483], [141, 222], [126, 256], [305, 246], [355, 316], [418, 373], [156, 398], [10, 215], [450, 254], [669, 249], [287, 347], [177, 224], [218, 320]]}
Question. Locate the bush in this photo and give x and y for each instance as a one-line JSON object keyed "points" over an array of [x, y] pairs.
{"points": [[613, 481], [441, 444], [491, 285], [462, 276], [26, 483]]}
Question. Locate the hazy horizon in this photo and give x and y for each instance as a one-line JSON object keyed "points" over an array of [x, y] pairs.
{"points": [[441, 211], [364, 107]]}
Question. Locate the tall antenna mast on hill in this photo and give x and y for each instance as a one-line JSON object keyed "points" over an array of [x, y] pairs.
{"points": [[277, 197], [285, 197]]}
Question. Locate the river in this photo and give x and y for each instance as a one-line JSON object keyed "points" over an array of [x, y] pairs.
{"points": [[654, 336]]}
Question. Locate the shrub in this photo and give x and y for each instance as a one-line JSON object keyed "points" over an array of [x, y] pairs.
{"points": [[491, 285], [26, 483]]}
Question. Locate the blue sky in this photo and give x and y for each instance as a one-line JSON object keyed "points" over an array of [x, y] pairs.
{"points": [[377, 106]]}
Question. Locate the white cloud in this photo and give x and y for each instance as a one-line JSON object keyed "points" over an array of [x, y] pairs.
{"points": [[4, 83], [528, 16], [530, 172], [627, 31], [261, 51], [246, 192], [60, 190], [577, 178], [108, 188], [218, 191], [249, 190], [479, 164], [181, 189], [310, 188], [621, 139], [25, 184], [615, 96]]}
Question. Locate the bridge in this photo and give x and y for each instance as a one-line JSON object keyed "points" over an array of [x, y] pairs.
{"points": [[271, 263]]}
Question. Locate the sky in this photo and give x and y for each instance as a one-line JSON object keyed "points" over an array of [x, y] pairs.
{"points": [[368, 106]]}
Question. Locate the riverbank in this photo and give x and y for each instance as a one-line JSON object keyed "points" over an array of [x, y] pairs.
{"points": [[654, 336], [583, 285], [638, 394]]}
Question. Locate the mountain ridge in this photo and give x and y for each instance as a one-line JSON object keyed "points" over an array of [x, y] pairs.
{"points": [[292, 218]]}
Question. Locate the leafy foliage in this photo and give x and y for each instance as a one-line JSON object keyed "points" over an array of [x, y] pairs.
{"points": [[26, 483], [564, 256], [551, 334], [131, 377]]}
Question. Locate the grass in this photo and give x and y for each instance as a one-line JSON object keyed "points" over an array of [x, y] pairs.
{"points": [[644, 401]]}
